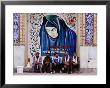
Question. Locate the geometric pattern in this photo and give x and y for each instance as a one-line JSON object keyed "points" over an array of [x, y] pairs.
{"points": [[34, 23], [89, 28], [23, 27], [16, 28], [95, 30], [19, 26]]}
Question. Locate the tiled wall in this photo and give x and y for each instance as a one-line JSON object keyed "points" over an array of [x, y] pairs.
{"points": [[26, 28], [19, 27]]}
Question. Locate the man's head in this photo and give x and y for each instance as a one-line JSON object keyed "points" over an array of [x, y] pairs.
{"points": [[75, 54], [48, 53], [56, 54], [66, 53]]}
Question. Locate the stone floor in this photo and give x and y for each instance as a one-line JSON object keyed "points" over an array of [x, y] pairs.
{"points": [[83, 71]]}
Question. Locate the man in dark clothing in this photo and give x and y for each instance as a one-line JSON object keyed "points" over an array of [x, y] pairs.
{"points": [[47, 63], [66, 62], [56, 63]]}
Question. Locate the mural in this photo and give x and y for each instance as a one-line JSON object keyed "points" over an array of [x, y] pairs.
{"points": [[63, 23], [36, 23], [54, 33]]}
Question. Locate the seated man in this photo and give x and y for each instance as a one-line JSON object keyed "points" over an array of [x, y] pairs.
{"points": [[61, 64], [70, 66], [37, 61], [56, 63], [73, 63], [65, 62], [47, 63], [76, 62]]}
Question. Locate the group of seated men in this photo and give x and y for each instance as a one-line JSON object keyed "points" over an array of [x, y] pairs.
{"points": [[55, 64]]}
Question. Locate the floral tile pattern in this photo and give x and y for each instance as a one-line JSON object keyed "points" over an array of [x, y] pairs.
{"points": [[16, 28], [89, 28]]}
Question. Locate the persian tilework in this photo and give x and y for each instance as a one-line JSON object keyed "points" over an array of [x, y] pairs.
{"points": [[81, 25], [19, 26], [84, 32], [16, 28], [22, 28], [89, 28], [34, 21], [95, 30]]}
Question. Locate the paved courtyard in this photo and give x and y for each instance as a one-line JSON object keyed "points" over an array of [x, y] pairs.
{"points": [[81, 72]]}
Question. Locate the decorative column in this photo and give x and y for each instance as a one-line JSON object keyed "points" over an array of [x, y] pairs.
{"points": [[23, 35], [83, 27], [78, 34], [80, 25], [22, 28], [95, 30], [89, 28], [16, 28]]}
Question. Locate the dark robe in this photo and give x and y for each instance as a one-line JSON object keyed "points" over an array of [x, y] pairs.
{"points": [[66, 37]]}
